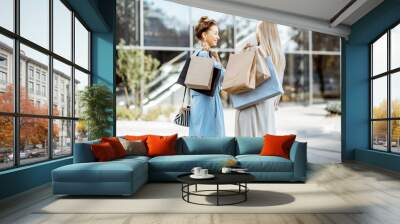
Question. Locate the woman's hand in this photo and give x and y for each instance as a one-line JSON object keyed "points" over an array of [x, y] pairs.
{"points": [[248, 45]]}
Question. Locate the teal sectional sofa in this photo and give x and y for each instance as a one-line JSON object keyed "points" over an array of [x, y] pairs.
{"points": [[125, 176]]}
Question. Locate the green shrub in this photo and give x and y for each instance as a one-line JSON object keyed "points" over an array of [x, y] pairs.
{"points": [[124, 113], [334, 108], [154, 113]]}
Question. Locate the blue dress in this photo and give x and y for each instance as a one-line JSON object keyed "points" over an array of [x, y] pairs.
{"points": [[206, 114]]}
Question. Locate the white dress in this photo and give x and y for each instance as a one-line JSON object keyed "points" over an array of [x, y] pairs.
{"points": [[257, 120]]}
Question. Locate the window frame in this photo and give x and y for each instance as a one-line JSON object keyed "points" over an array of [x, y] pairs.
{"points": [[388, 74], [16, 114]]}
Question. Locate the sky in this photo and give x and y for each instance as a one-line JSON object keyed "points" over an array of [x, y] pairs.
{"points": [[35, 27]]}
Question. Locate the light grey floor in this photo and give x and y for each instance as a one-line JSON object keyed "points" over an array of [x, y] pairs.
{"points": [[379, 191]]}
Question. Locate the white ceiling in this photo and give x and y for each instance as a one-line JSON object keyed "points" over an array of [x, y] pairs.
{"points": [[316, 15]]}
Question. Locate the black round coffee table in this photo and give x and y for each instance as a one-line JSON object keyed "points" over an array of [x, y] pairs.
{"points": [[238, 179]]}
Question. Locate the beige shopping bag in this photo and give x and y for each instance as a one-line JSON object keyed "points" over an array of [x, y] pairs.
{"points": [[240, 75], [263, 73], [200, 73]]}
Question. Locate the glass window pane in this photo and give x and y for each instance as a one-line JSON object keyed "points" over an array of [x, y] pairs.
{"points": [[379, 97], [81, 81], [245, 29], [395, 47], [33, 139], [395, 94], [81, 45], [379, 135], [6, 74], [165, 24], [62, 138], [81, 131], [34, 96], [296, 78], [293, 39], [6, 142], [379, 55], [35, 21], [225, 25], [326, 77], [325, 42], [128, 25], [62, 89], [161, 71], [62, 29], [7, 14], [395, 135]]}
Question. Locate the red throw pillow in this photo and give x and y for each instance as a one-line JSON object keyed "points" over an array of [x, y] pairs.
{"points": [[275, 145], [161, 145], [116, 145], [103, 151], [136, 138]]}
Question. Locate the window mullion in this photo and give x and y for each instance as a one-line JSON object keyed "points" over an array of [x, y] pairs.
{"points": [[389, 104], [16, 84], [73, 82], [371, 142], [50, 81]]}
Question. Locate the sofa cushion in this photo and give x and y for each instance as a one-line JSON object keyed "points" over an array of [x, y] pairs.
{"points": [[249, 145], [103, 152], [112, 171], [277, 145], [83, 152], [257, 163], [161, 145], [116, 145], [185, 163], [206, 145], [136, 137], [134, 147], [131, 158]]}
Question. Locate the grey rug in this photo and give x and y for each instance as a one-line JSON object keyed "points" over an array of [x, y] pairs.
{"points": [[166, 198]]}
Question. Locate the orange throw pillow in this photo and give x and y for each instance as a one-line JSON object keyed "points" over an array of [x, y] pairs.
{"points": [[161, 145], [277, 145], [103, 152], [116, 145], [136, 138]]}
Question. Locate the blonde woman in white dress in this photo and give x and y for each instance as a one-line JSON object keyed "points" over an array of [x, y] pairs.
{"points": [[259, 119]]}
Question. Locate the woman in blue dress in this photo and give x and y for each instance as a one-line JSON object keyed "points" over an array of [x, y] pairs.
{"points": [[206, 115]]}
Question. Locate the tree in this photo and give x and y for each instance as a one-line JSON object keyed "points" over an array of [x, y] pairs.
{"points": [[33, 131], [135, 69], [96, 102], [128, 20]]}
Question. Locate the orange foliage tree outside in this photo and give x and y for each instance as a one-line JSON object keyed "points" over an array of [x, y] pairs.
{"points": [[380, 127], [33, 131]]}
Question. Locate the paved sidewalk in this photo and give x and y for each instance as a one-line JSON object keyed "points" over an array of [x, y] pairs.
{"points": [[309, 123]]}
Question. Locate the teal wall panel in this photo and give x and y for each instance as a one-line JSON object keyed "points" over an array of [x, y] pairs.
{"points": [[24, 178], [355, 84]]}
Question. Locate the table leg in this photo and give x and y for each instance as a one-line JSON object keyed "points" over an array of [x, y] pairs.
{"points": [[245, 193], [196, 187], [217, 194], [188, 190]]}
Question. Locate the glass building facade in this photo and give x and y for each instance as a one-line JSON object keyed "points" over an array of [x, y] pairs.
{"points": [[165, 31]]}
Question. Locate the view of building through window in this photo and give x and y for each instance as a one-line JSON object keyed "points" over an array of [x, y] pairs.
{"points": [[156, 36], [40, 83]]}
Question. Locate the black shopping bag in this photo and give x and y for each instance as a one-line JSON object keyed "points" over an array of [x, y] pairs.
{"points": [[214, 83]]}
